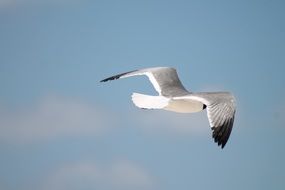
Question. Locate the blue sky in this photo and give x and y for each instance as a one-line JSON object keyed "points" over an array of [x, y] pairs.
{"points": [[62, 129]]}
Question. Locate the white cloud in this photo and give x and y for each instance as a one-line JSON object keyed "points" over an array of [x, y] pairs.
{"points": [[52, 117], [90, 175]]}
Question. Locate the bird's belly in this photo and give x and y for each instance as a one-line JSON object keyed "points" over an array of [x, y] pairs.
{"points": [[183, 106]]}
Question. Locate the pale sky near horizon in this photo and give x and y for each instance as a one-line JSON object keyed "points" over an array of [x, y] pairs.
{"points": [[62, 129]]}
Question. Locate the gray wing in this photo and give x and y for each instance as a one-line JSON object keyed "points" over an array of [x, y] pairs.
{"points": [[221, 108], [164, 79]]}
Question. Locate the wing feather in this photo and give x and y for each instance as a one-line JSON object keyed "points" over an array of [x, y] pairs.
{"points": [[164, 79], [221, 108]]}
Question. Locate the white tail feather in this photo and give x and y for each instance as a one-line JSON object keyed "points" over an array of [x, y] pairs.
{"points": [[149, 102]]}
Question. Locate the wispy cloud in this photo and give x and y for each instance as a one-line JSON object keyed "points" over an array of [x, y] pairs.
{"points": [[121, 174], [53, 116], [164, 122], [56, 117]]}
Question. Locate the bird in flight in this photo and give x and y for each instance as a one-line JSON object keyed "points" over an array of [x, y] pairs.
{"points": [[172, 96]]}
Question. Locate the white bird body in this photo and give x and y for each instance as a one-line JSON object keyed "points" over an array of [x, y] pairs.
{"points": [[172, 96], [184, 106], [170, 104]]}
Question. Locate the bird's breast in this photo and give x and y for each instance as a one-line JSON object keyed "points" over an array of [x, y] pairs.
{"points": [[184, 106]]}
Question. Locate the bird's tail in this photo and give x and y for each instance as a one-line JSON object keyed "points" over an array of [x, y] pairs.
{"points": [[149, 102]]}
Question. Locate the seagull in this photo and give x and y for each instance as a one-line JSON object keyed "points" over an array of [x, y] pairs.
{"points": [[172, 96]]}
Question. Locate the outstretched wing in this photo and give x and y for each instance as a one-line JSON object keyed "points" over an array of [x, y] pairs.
{"points": [[164, 79], [221, 108]]}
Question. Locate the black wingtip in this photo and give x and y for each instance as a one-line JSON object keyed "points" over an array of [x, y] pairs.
{"points": [[111, 78], [222, 133], [105, 80], [115, 77]]}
